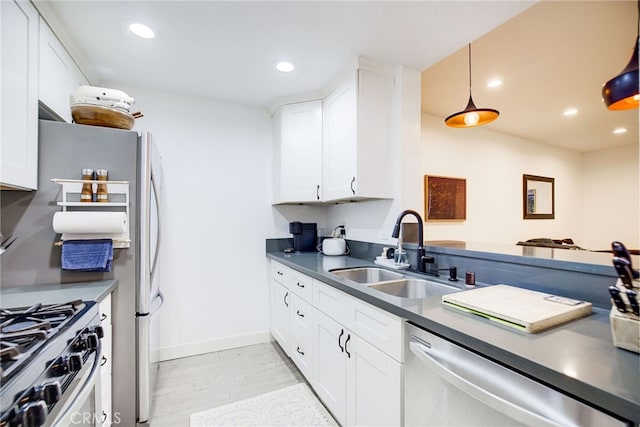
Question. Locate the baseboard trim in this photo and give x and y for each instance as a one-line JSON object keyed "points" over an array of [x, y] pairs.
{"points": [[193, 349]]}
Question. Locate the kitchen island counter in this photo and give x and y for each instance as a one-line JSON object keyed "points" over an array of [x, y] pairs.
{"points": [[578, 357], [21, 296]]}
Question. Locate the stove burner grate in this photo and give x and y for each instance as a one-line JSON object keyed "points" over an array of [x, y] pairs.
{"points": [[23, 331]]}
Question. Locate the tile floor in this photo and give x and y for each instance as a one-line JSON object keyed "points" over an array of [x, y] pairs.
{"points": [[197, 383]]}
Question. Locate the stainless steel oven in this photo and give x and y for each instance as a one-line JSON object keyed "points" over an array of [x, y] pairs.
{"points": [[50, 370], [82, 406]]}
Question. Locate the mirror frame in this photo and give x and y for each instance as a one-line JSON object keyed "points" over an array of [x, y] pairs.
{"points": [[525, 215]]}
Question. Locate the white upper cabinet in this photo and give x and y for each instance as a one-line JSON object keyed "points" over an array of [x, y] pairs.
{"points": [[298, 153], [357, 145], [19, 95], [59, 74]]}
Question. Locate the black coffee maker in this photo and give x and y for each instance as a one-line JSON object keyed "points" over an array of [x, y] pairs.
{"points": [[304, 236]]}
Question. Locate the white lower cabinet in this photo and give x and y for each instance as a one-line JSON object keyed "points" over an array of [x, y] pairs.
{"points": [[331, 366], [358, 383], [106, 418], [280, 314], [348, 350]]}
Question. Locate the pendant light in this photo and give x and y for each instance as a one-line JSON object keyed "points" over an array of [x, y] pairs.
{"points": [[621, 92], [471, 116]]}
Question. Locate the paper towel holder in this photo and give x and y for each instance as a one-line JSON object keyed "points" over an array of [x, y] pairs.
{"points": [[70, 198]]}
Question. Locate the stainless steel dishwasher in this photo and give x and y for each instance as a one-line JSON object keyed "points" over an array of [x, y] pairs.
{"points": [[447, 385]]}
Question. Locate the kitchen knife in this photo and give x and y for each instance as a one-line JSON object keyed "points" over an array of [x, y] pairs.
{"points": [[620, 251], [633, 302], [615, 296], [623, 268]]}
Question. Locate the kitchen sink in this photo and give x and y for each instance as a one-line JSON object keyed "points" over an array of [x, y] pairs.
{"points": [[367, 275], [414, 288]]}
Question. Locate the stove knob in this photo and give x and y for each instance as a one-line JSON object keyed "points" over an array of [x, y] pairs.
{"points": [[49, 392], [32, 414], [98, 331], [74, 361], [91, 341], [65, 364]]}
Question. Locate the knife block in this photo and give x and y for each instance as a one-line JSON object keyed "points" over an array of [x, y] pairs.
{"points": [[625, 327]]}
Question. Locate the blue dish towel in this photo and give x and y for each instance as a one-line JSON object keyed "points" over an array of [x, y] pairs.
{"points": [[87, 255]]}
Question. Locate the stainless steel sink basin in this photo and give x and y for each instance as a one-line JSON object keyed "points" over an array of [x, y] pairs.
{"points": [[367, 275], [414, 288]]}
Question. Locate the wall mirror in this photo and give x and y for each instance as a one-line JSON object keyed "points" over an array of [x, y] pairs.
{"points": [[538, 197]]}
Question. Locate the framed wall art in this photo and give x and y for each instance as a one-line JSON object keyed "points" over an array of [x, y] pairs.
{"points": [[445, 198]]}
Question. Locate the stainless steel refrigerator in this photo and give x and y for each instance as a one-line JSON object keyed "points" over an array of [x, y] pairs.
{"points": [[64, 150]]}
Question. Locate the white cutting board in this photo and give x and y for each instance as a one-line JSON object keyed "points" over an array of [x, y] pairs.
{"points": [[526, 310]]}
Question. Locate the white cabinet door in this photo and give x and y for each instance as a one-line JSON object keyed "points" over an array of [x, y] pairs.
{"points": [[279, 315], [374, 385], [331, 367], [300, 152], [59, 75], [19, 95], [357, 139], [339, 141]]}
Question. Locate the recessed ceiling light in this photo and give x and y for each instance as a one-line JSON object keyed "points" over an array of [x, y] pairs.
{"points": [[620, 130], [570, 112], [142, 30], [495, 83], [284, 66]]}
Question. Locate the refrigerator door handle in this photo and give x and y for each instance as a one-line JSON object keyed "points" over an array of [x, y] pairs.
{"points": [[155, 308], [158, 224]]}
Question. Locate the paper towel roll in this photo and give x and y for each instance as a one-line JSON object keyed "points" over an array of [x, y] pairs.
{"points": [[90, 222]]}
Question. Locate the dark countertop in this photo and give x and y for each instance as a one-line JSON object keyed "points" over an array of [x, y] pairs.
{"points": [[578, 357], [23, 296]]}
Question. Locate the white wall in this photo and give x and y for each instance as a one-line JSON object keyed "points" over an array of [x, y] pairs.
{"points": [[217, 215], [493, 164], [611, 197]]}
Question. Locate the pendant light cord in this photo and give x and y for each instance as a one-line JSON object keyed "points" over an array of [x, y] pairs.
{"points": [[470, 62]]}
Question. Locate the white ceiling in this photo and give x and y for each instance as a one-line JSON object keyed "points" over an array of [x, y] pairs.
{"points": [[554, 56], [227, 50]]}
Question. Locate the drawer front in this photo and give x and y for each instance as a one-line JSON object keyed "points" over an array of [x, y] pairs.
{"points": [[105, 311], [280, 273], [301, 285], [302, 353], [107, 352], [330, 301], [381, 329], [301, 313]]}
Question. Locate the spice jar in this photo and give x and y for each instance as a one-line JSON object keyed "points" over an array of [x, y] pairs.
{"points": [[102, 193], [86, 194]]}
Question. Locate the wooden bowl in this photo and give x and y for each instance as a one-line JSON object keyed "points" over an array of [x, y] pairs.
{"points": [[95, 115]]}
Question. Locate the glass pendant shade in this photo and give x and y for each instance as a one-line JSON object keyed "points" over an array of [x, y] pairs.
{"points": [[471, 116], [621, 92]]}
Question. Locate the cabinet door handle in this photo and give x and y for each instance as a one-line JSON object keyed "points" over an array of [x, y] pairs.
{"points": [[353, 180], [279, 273], [298, 350], [345, 346], [103, 317], [339, 338], [285, 299], [299, 314], [318, 192], [104, 417], [300, 285], [103, 361]]}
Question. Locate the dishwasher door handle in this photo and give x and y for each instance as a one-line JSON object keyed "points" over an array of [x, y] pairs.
{"points": [[422, 352]]}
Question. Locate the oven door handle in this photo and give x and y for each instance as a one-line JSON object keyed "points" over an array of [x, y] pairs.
{"points": [[86, 386]]}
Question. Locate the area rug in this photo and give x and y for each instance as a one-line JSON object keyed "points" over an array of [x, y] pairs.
{"points": [[291, 406]]}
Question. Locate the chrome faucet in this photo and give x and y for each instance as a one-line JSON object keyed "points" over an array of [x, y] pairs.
{"points": [[422, 259]]}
